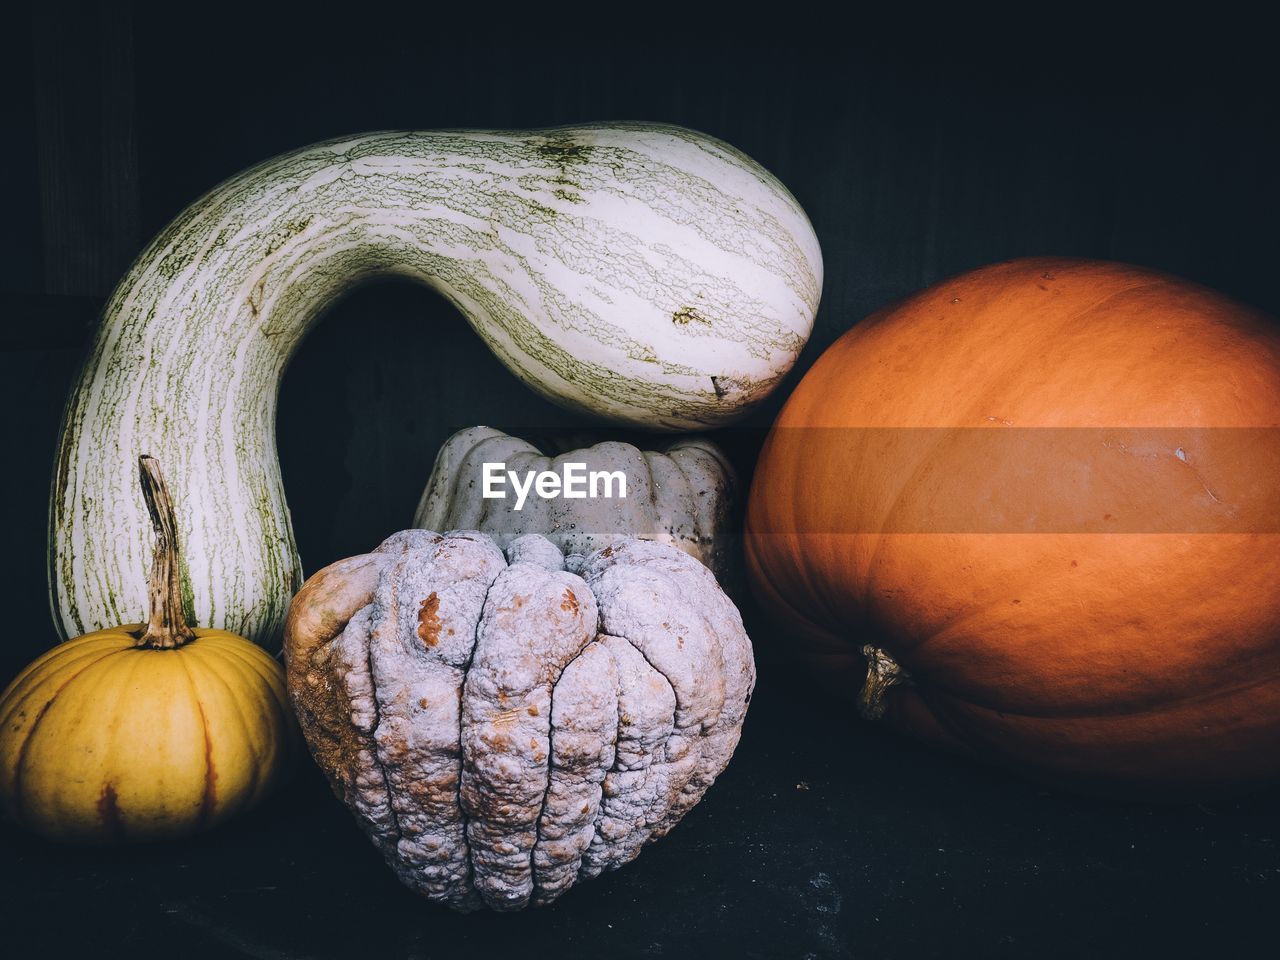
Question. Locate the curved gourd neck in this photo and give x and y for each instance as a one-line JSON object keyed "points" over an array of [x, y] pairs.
{"points": [[642, 275]]}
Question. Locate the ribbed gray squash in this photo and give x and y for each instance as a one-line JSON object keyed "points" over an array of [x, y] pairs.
{"points": [[683, 495], [645, 275], [503, 727]]}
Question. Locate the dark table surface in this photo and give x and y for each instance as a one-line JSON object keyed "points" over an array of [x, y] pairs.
{"points": [[824, 838]]}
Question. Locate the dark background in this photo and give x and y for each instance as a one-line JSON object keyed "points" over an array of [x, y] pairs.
{"points": [[919, 149]]}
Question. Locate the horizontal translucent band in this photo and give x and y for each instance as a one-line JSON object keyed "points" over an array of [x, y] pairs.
{"points": [[1003, 478]]}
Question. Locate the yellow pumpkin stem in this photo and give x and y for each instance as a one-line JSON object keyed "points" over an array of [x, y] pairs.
{"points": [[167, 625]]}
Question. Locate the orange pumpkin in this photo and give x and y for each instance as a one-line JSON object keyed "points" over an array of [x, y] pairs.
{"points": [[1033, 514]]}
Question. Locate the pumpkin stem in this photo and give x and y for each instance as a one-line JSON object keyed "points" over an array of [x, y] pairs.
{"points": [[167, 625], [883, 672]]}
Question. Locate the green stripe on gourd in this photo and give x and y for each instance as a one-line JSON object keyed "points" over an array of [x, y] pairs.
{"points": [[645, 275]]}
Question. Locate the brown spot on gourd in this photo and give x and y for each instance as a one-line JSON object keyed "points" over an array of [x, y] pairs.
{"points": [[533, 710], [109, 809], [687, 315], [569, 603], [256, 295], [394, 748], [429, 620], [563, 151]]}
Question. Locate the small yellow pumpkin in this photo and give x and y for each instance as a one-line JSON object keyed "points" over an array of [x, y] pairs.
{"points": [[143, 731]]}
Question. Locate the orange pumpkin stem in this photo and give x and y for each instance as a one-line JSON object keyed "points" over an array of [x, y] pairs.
{"points": [[167, 625], [883, 672]]}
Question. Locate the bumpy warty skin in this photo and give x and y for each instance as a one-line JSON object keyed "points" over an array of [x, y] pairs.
{"points": [[501, 726], [683, 494]]}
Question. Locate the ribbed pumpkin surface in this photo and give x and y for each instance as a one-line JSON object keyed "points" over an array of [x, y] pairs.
{"points": [[103, 740]]}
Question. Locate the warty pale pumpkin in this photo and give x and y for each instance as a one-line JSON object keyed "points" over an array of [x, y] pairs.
{"points": [[642, 274], [502, 727], [1033, 514], [143, 731], [683, 494]]}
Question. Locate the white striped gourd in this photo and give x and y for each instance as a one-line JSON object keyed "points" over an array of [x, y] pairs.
{"points": [[645, 275]]}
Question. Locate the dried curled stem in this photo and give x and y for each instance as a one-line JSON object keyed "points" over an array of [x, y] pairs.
{"points": [[883, 672], [166, 624]]}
